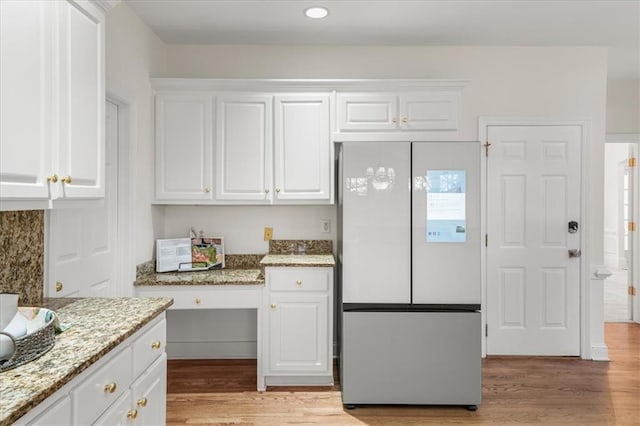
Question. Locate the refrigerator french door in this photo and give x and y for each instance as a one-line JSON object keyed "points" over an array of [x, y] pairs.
{"points": [[409, 254]]}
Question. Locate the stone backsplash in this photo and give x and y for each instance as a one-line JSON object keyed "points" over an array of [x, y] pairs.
{"points": [[294, 246], [22, 255]]}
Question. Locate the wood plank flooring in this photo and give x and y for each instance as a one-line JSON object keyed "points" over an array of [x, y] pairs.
{"points": [[550, 391]]}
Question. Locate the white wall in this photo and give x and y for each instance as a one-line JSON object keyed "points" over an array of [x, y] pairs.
{"points": [[133, 53], [547, 82], [623, 106]]}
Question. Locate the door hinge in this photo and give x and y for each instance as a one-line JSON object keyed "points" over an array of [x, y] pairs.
{"points": [[632, 162], [631, 290], [631, 226], [486, 148], [486, 330], [486, 240]]}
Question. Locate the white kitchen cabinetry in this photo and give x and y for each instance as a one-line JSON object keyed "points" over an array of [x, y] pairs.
{"points": [[298, 326], [431, 110], [184, 146], [302, 154], [243, 148], [52, 113], [127, 383]]}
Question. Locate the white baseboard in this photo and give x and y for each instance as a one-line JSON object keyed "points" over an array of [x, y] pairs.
{"points": [[211, 350], [600, 353], [299, 380]]}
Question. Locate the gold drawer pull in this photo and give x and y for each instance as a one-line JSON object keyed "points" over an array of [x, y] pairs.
{"points": [[197, 301], [405, 119], [299, 283], [273, 306], [142, 402], [155, 345], [66, 179], [132, 414], [110, 388], [59, 286], [53, 178]]}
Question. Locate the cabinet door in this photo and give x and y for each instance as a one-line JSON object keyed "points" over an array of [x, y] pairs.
{"points": [[148, 394], [367, 112], [298, 333], [82, 98], [25, 104], [120, 413], [58, 414], [184, 147], [243, 148], [302, 150], [429, 111]]}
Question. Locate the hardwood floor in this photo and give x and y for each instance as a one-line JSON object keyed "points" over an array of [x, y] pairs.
{"points": [[550, 391]]}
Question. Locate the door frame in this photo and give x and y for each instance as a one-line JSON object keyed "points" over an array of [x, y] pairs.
{"points": [[125, 272], [632, 138], [585, 266]]}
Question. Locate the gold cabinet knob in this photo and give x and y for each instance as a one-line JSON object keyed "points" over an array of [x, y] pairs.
{"points": [[405, 119], [132, 414], [266, 191], [66, 179], [394, 120], [299, 283], [142, 402], [197, 301], [59, 286], [278, 190], [155, 345], [110, 388], [273, 306], [207, 190], [53, 178]]}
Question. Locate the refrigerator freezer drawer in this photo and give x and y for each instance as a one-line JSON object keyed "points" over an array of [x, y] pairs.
{"points": [[411, 358]]}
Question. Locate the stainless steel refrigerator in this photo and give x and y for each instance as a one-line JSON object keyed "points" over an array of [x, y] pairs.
{"points": [[409, 249]]}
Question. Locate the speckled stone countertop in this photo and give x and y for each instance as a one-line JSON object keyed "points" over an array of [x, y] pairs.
{"points": [[97, 326], [214, 277], [307, 260]]}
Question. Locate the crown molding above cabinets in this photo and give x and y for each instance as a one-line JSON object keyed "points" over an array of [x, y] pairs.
{"points": [[270, 141]]}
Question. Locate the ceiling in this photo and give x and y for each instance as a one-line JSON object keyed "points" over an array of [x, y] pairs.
{"points": [[609, 23]]}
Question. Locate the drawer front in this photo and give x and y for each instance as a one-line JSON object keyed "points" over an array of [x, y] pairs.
{"points": [[102, 388], [148, 347], [299, 279], [208, 297]]}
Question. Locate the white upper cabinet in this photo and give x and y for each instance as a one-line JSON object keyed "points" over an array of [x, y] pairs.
{"points": [[243, 148], [52, 112], [184, 146], [302, 150], [26, 101], [82, 98], [429, 110]]}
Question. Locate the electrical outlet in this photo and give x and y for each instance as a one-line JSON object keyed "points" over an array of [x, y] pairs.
{"points": [[325, 226], [268, 234]]}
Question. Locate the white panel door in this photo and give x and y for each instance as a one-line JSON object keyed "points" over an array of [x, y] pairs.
{"points": [[243, 148], [533, 285], [372, 112], [184, 146], [446, 270], [376, 221], [25, 105], [81, 103], [82, 241], [302, 150]]}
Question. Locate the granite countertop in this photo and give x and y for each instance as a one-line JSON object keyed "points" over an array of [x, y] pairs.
{"points": [[214, 277], [307, 260], [97, 326]]}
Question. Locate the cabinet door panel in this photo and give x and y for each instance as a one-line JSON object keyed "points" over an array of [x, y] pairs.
{"points": [[429, 111], [25, 104], [81, 107], [184, 147], [298, 333], [243, 148], [367, 111], [59, 414], [302, 156], [148, 394]]}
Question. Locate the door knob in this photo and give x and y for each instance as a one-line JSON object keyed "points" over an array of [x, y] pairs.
{"points": [[575, 253]]}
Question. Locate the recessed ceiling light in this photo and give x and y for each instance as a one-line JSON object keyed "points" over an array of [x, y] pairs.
{"points": [[316, 12]]}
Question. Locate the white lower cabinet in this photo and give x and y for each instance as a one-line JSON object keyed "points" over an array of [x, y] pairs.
{"points": [[127, 384], [298, 321]]}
